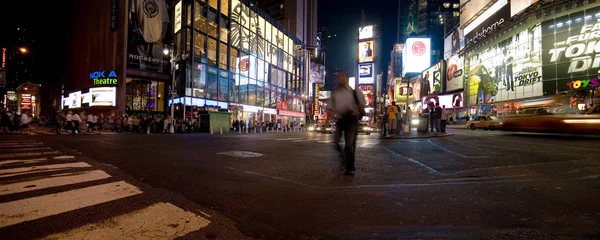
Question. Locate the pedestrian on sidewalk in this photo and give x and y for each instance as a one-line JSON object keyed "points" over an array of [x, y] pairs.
{"points": [[392, 110], [444, 119], [76, 124], [25, 120], [437, 118], [349, 107]]}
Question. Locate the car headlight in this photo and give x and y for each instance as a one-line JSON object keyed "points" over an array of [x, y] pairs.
{"points": [[311, 128], [328, 129], [414, 121], [368, 129]]}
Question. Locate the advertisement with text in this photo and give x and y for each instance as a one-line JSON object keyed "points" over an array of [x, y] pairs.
{"points": [[509, 70], [148, 27], [454, 43], [570, 51], [455, 68]]}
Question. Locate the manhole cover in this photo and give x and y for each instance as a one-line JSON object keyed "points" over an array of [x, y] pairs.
{"points": [[241, 154]]}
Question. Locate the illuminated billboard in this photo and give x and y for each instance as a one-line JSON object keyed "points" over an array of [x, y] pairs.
{"points": [[509, 70], [103, 96], [432, 78], [365, 73], [490, 20], [366, 51], [516, 6], [448, 101], [250, 66], [470, 8], [365, 32], [454, 73], [454, 43], [417, 55], [317, 73]]}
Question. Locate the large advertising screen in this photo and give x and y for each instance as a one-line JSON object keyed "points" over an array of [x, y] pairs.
{"points": [[516, 6], [411, 17], [146, 37], [447, 101], [470, 8], [317, 73], [365, 73], [103, 96], [570, 51], [369, 92], [366, 51], [417, 55], [365, 32], [485, 25], [455, 68], [454, 43], [432, 79], [509, 70]]}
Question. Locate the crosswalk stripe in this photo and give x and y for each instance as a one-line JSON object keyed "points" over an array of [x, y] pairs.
{"points": [[28, 154], [26, 149], [40, 169], [49, 182], [157, 221], [286, 139], [27, 161], [21, 145], [28, 209]]}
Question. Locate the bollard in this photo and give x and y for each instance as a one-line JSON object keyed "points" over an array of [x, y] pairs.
{"points": [[239, 130], [247, 130], [211, 130], [254, 129], [261, 130], [221, 129]]}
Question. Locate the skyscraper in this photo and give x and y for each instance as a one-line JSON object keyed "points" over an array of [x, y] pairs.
{"points": [[298, 16]]}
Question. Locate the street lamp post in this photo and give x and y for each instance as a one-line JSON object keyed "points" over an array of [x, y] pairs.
{"points": [[174, 59]]}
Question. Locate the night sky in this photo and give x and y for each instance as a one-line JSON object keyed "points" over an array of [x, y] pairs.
{"points": [[342, 18]]}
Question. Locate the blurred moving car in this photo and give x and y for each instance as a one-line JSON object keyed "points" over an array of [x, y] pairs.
{"points": [[554, 120], [365, 128], [485, 122]]}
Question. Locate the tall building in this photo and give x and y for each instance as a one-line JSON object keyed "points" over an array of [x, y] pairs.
{"points": [[450, 15], [298, 16], [228, 54], [19, 58]]}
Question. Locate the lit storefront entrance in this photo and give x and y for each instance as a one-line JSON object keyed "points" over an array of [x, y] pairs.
{"points": [[144, 96]]}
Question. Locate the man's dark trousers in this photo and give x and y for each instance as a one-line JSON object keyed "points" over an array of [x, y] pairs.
{"points": [[348, 125]]}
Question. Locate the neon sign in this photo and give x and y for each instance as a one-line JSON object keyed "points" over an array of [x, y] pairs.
{"points": [[3, 58], [104, 77], [588, 83]]}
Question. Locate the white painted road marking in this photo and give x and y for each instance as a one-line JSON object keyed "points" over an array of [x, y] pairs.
{"points": [[158, 221], [28, 209], [287, 139], [21, 145], [26, 149], [29, 154], [38, 169], [54, 181]]}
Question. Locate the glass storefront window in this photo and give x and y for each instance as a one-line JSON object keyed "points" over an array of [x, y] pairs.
{"points": [[243, 90], [225, 7], [233, 91], [144, 95], [200, 18], [189, 14], [212, 29], [223, 56], [260, 94], [252, 93], [211, 83], [212, 52], [223, 88], [233, 59], [198, 80], [199, 47]]}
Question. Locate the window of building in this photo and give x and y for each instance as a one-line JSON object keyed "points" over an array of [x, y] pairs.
{"points": [[455, 5], [199, 47], [200, 18], [211, 86], [456, 14], [144, 95], [223, 56], [243, 90], [446, 5], [223, 88], [198, 80], [213, 4], [223, 32], [233, 59], [212, 29], [225, 7], [252, 93], [212, 52], [232, 88]]}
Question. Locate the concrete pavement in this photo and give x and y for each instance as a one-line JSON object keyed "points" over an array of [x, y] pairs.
{"points": [[472, 185]]}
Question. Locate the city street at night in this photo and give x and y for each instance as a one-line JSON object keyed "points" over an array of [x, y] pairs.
{"points": [[470, 185]]}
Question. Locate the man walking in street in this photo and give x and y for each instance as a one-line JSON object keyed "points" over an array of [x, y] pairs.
{"points": [[348, 106], [437, 118]]}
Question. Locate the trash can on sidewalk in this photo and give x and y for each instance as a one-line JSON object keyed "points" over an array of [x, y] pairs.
{"points": [[423, 123]]}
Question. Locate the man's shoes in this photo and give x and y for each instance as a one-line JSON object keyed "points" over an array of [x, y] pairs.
{"points": [[349, 173]]}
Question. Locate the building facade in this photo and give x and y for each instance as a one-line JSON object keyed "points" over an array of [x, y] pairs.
{"points": [[228, 55]]}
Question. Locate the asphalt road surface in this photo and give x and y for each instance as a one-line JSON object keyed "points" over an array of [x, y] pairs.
{"points": [[471, 185]]}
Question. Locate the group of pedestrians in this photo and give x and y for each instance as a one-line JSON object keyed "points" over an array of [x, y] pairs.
{"points": [[396, 122], [12, 122], [438, 117]]}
